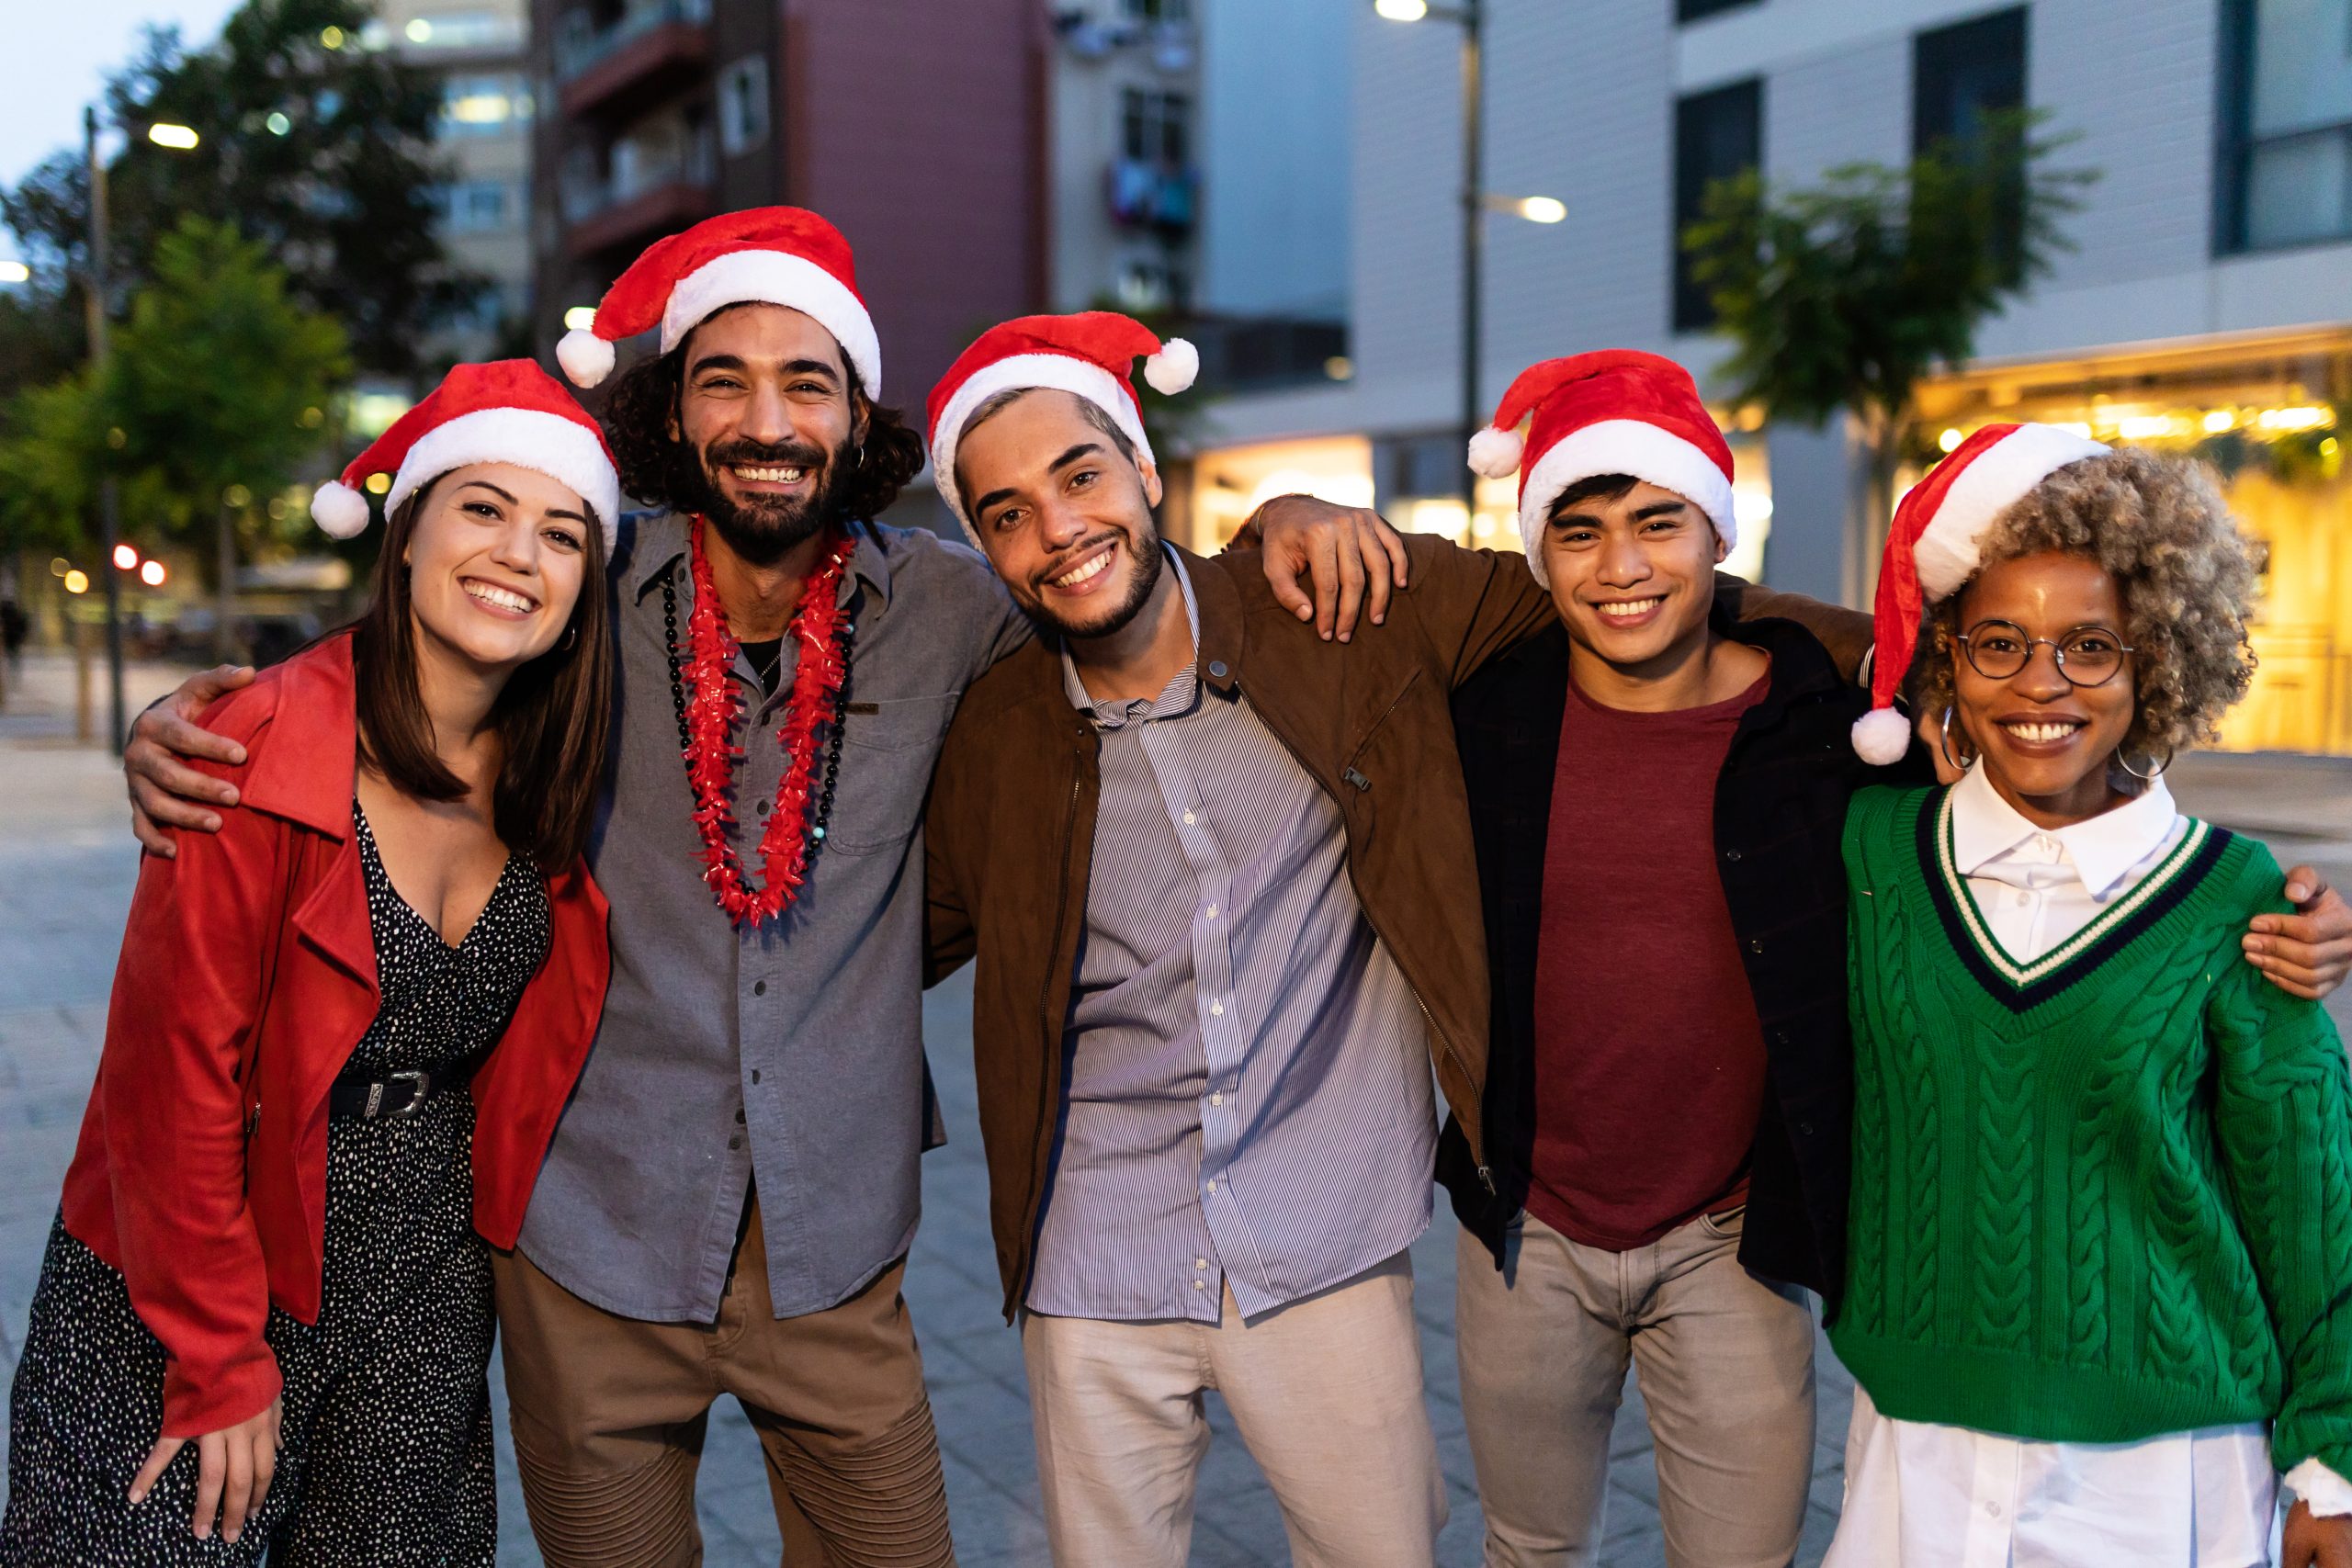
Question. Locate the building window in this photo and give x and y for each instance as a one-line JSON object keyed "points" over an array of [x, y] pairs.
{"points": [[2286, 123], [1699, 10], [1156, 126], [1716, 134], [1961, 74], [743, 105], [484, 105], [1160, 10], [476, 206]]}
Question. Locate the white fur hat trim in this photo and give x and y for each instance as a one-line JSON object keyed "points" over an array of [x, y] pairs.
{"points": [[1059, 372]]}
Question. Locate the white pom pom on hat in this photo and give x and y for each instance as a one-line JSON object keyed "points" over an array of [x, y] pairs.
{"points": [[340, 510], [1173, 370], [1496, 453], [1881, 736], [585, 358]]}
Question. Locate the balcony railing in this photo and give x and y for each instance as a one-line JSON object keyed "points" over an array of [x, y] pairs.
{"points": [[653, 184], [580, 48]]}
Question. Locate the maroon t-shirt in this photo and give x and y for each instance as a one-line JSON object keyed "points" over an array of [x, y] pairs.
{"points": [[1649, 1060]]}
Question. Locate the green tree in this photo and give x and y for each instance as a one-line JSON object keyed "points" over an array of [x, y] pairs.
{"points": [[218, 381], [316, 147], [1844, 295]]}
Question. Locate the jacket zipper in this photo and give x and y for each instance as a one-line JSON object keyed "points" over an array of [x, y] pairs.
{"points": [[1486, 1173]]}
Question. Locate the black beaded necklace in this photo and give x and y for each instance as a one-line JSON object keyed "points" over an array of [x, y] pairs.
{"points": [[845, 629]]}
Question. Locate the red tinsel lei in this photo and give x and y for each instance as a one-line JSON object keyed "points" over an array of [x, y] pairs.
{"points": [[712, 707]]}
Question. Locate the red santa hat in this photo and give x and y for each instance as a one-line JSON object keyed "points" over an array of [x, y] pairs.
{"points": [[1090, 353], [1615, 410], [1934, 546], [508, 411], [769, 255]]}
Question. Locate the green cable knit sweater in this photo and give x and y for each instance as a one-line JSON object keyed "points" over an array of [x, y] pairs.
{"points": [[2104, 1195]]}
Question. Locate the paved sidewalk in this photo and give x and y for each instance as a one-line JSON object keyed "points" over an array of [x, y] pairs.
{"points": [[66, 871]]}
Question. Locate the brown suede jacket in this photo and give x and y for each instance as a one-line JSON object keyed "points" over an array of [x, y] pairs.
{"points": [[1010, 827]]}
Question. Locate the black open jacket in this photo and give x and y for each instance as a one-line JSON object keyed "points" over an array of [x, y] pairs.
{"points": [[1779, 819]]}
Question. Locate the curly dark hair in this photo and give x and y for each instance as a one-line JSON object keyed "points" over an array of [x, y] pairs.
{"points": [[2160, 528], [664, 470]]}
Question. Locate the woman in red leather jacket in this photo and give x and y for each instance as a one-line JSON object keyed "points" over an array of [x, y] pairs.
{"points": [[341, 1032]]}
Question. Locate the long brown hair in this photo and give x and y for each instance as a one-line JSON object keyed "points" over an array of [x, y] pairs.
{"points": [[553, 717]]}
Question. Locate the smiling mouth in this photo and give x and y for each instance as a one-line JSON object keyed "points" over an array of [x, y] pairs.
{"points": [[1084, 572], [1630, 609], [2042, 732], [769, 475], [498, 598]]}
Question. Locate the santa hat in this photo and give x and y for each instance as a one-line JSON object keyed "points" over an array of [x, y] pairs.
{"points": [[769, 255], [1616, 410], [508, 411], [1091, 354], [1933, 549]]}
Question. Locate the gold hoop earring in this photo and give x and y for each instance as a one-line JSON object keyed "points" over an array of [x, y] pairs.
{"points": [[1944, 742]]}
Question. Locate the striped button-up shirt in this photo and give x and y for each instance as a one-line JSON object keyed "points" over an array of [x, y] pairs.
{"points": [[1247, 1098]]}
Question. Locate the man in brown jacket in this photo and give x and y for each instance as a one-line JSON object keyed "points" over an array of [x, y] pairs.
{"points": [[1217, 874]]}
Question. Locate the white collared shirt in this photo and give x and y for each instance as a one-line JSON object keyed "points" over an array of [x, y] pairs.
{"points": [[1927, 1495]]}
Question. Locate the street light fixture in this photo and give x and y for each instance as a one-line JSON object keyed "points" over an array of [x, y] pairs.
{"points": [[14, 272], [1475, 204], [178, 137]]}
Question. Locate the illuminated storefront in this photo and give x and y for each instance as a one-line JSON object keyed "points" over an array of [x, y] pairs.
{"points": [[2267, 415]]}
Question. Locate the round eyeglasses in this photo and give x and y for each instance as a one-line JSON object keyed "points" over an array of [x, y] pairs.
{"points": [[2087, 656]]}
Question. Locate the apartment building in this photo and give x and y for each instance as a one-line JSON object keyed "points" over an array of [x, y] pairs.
{"points": [[475, 50], [2206, 305], [916, 126]]}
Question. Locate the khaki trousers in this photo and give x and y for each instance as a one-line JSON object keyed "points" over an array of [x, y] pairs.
{"points": [[1327, 1391], [1726, 1363], [609, 1413]]}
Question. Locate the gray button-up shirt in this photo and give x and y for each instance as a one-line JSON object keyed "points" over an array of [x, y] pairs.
{"points": [[791, 1053], [1248, 1097]]}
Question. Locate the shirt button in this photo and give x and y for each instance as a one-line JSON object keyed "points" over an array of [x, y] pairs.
{"points": [[755, 1075], [738, 1118], [1992, 1510], [758, 987], [1217, 1100], [1216, 1009], [1216, 668], [736, 1142], [1757, 946], [1199, 1285], [1212, 911], [762, 809], [1200, 1262], [1212, 1185], [1188, 819]]}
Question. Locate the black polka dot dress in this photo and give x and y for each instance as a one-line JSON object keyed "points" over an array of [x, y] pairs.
{"points": [[385, 1455]]}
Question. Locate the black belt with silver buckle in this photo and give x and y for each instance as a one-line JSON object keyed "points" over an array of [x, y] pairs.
{"points": [[395, 1095]]}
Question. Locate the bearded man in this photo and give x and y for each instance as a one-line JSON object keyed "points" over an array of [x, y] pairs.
{"points": [[728, 1202]]}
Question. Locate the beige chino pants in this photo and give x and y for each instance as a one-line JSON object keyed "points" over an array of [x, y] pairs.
{"points": [[1327, 1391], [1726, 1363]]}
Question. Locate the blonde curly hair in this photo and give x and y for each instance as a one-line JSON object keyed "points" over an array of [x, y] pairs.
{"points": [[2161, 529]]}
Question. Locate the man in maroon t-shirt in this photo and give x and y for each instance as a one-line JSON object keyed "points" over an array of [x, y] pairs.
{"points": [[1649, 1061]]}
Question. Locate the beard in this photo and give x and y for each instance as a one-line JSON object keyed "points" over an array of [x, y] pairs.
{"points": [[1150, 560], [763, 529]]}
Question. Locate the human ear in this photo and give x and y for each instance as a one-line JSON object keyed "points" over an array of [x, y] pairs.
{"points": [[1151, 475]]}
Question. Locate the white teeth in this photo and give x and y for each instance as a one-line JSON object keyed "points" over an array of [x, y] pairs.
{"points": [[771, 476], [503, 597], [2050, 730], [1631, 608], [1091, 569]]}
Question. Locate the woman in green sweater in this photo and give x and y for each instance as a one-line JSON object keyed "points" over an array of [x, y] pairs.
{"points": [[2100, 1287]]}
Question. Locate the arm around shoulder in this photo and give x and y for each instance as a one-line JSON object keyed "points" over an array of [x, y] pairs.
{"points": [[1472, 604]]}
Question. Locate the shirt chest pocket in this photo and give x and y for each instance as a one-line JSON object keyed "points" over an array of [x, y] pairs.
{"points": [[888, 751]]}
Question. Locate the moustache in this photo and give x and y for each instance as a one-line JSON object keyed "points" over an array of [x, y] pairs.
{"points": [[766, 455]]}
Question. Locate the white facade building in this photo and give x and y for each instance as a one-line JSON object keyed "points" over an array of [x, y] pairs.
{"points": [[2210, 294]]}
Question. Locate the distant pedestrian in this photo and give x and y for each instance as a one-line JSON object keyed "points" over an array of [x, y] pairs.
{"points": [[15, 624], [2100, 1267], [264, 1309]]}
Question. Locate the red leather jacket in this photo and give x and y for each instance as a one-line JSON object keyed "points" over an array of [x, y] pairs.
{"points": [[247, 975]]}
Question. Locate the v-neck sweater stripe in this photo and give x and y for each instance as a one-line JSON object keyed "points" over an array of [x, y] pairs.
{"points": [[2103, 1196]]}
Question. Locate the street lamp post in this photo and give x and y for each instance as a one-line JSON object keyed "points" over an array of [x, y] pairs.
{"points": [[179, 138], [1476, 202], [110, 523]]}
